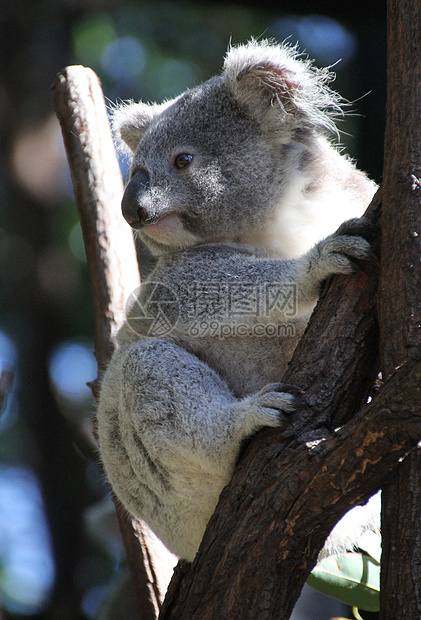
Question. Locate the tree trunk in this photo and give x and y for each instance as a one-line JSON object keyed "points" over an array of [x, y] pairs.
{"points": [[400, 298]]}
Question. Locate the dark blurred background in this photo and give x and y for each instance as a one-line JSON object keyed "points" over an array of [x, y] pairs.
{"points": [[50, 564]]}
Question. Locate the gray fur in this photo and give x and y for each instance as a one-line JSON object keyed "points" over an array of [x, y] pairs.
{"points": [[244, 235]]}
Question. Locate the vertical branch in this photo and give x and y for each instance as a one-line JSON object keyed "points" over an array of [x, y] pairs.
{"points": [[98, 188], [111, 257], [400, 297]]}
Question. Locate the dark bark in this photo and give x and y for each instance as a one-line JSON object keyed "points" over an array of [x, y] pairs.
{"points": [[6, 382], [400, 298]]}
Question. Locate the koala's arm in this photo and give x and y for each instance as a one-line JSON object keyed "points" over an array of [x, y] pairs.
{"points": [[215, 266], [339, 253]]}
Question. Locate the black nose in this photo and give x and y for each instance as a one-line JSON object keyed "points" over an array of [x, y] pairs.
{"points": [[133, 212]]}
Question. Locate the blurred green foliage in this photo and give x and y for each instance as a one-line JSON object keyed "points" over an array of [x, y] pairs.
{"points": [[154, 50]]}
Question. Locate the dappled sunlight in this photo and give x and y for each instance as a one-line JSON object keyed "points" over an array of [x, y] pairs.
{"points": [[324, 38], [71, 366], [39, 161], [27, 567]]}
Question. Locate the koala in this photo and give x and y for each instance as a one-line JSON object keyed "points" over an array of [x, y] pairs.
{"points": [[237, 189]]}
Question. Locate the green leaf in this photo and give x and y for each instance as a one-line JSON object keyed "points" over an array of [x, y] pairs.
{"points": [[353, 578]]}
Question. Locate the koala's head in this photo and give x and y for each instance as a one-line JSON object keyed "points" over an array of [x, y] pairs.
{"points": [[212, 164]]}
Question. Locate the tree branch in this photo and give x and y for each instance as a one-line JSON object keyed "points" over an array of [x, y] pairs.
{"points": [[111, 257], [98, 188], [266, 533]]}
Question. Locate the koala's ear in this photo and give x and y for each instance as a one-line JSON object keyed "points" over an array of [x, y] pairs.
{"points": [[130, 121], [274, 85]]}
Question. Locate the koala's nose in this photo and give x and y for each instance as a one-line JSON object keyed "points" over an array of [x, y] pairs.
{"points": [[135, 214]]}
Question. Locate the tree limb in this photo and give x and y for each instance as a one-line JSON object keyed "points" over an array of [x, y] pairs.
{"points": [[111, 257], [98, 188]]}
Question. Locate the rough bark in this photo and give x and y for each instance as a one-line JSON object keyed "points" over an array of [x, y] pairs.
{"points": [[111, 256], [400, 297]]}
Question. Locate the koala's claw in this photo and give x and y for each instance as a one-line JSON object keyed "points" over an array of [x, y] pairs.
{"points": [[361, 227], [282, 387], [339, 254], [277, 401]]}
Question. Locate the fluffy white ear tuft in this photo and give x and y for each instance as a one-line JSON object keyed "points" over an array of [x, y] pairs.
{"points": [[130, 121], [271, 80]]}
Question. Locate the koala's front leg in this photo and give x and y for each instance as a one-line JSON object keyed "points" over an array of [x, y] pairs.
{"points": [[339, 253], [170, 432]]}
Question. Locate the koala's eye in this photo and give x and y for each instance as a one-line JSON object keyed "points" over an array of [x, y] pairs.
{"points": [[182, 160]]}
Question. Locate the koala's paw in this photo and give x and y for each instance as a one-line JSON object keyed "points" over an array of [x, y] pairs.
{"points": [[344, 251], [359, 227], [272, 405]]}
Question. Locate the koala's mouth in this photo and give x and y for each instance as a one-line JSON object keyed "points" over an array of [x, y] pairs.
{"points": [[169, 230]]}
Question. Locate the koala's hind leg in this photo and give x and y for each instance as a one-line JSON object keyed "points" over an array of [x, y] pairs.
{"points": [[181, 408], [170, 432]]}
